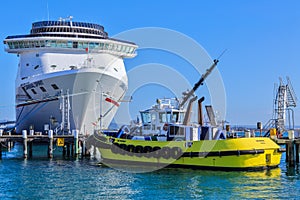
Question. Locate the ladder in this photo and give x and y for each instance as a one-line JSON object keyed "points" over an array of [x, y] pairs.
{"points": [[65, 113], [285, 99]]}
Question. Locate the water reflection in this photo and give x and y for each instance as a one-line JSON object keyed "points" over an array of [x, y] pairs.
{"points": [[40, 178], [292, 170]]}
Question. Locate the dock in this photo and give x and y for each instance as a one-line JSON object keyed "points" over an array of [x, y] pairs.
{"points": [[72, 144], [292, 150]]}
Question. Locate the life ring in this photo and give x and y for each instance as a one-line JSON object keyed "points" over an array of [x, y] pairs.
{"points": [[176, 152], [165, 127], [165, 152], [147, 151], [138, 150], [156, 152]]}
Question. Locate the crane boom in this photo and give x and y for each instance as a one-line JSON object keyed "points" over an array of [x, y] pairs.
{"points": [[188, 94]]}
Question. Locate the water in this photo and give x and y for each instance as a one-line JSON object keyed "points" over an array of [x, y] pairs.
{"points": [[41, 178]]}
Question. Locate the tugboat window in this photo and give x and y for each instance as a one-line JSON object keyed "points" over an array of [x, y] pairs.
{"points": [[146, 117]]}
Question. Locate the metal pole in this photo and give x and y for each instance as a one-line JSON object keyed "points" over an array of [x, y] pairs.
{"points": [[50, 147], [83, 148], [24, 135], [76, 136]]}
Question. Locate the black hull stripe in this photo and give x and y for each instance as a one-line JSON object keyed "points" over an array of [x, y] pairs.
{"points": [[104, 145], [223, 153], [36, 102]]}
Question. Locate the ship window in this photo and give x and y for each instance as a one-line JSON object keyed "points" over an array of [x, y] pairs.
{"points": [[85, 45], [36, 44], [55, 87], [27, 64], [42, 43], [43, 89], [70, 43], [47, 43], [75, 44], [53, 43], [31, 44], [33, 91], [101, 45], [37, 66]]}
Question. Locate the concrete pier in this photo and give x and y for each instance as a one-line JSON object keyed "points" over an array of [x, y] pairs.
{"points": [[292, 150]]}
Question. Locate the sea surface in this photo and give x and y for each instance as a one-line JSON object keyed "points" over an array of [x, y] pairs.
{"points": [[83, 178]]}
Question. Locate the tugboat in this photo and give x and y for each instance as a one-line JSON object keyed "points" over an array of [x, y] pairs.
{"points": [[165, 138]]}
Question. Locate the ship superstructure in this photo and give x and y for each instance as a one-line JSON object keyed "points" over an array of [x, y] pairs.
{"points": [[71, 75]]}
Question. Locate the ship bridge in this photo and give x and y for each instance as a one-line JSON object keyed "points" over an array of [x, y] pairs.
{"points": [[69, 35]]}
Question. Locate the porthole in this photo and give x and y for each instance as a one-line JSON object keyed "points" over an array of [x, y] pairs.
{"points": [[33, 91], [55, 87], [43, 89]]}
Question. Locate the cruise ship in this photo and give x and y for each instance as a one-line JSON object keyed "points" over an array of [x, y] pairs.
{"points": [[71, 76]]}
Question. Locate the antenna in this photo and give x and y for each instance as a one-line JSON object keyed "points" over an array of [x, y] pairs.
{"points": [[221, 54]]}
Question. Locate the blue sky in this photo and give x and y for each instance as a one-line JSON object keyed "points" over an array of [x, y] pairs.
{"points": [[262, 38]]}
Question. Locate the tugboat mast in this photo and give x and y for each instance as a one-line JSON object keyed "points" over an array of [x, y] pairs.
{"points": [[188, 94]]}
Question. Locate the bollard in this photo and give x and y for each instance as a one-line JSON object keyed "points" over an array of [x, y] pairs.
{"points": [[291, 134], [1, 132], [24, 136], [50, 147]]}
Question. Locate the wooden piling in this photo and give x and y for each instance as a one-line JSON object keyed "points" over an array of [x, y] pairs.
{"points": [[72, 149], [297, 152], [30, 149], [291, 154], [286, 153], [0, 150], [64, 150], [83, 148], [68, 149]]}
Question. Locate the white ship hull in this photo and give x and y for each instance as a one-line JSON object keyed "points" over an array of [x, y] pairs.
{"points": [[84, 87], [71, 76]]}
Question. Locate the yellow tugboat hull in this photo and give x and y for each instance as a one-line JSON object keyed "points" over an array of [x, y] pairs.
{"points": [[229, 154]]}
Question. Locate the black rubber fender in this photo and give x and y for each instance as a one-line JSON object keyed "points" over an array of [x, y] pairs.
{"points": [[176, 152]]}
